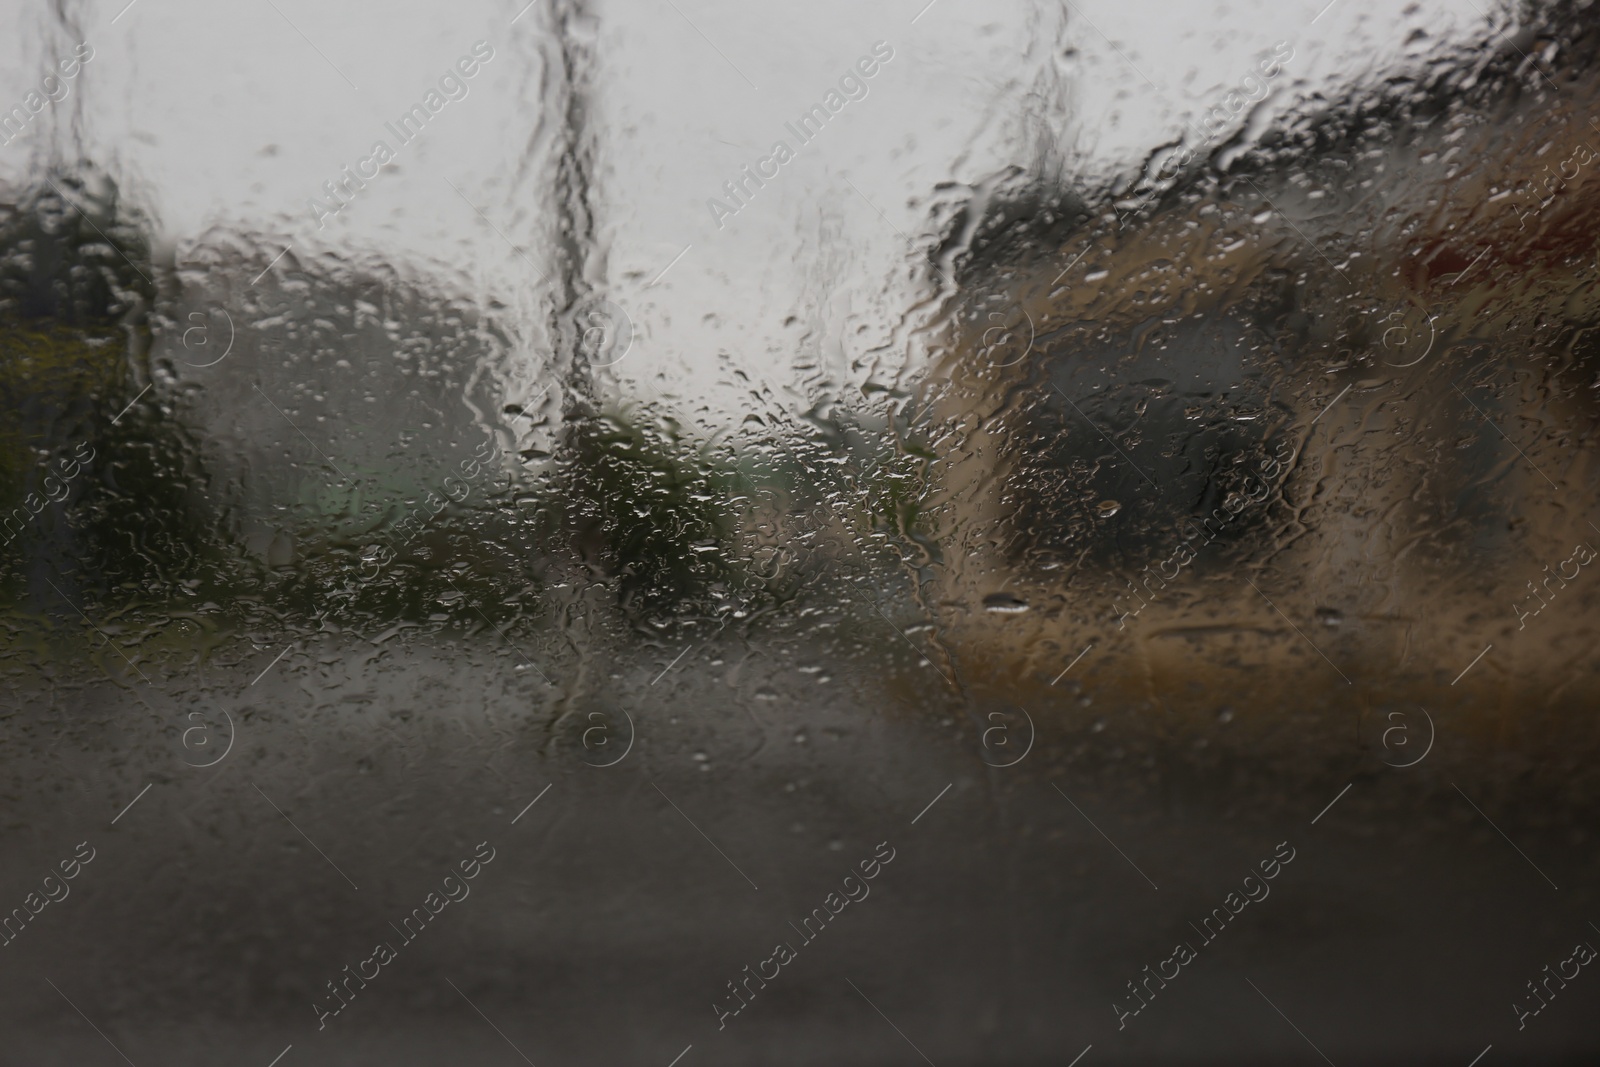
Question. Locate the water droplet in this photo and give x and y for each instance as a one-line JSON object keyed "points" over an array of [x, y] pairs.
{"points": [[1004, 603], [1108, 508]]}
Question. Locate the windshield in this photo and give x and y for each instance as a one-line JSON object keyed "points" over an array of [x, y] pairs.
{"points": [[596, 532]]}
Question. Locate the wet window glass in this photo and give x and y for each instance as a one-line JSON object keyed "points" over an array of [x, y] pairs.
{"points": [[688, 533]]}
